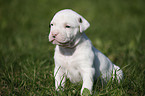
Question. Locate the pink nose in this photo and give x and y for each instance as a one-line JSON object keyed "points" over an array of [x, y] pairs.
{"points": [[54, 35]]}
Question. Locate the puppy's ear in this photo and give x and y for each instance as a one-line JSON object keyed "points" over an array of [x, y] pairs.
{"points": [[84, 24]]}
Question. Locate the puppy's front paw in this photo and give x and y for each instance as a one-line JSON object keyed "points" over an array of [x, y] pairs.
{"points": [[86, 92], [60, 88]]}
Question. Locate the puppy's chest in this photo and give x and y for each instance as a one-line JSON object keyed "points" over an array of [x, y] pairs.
{"points": [[71, 68]]}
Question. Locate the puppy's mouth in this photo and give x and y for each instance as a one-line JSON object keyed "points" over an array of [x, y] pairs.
{"points": [[54, 41], [68, 43]]}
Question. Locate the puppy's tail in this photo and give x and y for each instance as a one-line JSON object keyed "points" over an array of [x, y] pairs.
{"points": [[117, 73]]}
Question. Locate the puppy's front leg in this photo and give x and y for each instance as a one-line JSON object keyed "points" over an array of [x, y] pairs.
{"points": [[59, 77], [88, 80]]}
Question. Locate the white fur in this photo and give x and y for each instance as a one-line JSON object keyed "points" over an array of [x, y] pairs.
{"points": [[75, 57]]}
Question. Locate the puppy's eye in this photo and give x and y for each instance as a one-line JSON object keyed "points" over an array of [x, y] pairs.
{"points": [[50, 25], [67, 26]]}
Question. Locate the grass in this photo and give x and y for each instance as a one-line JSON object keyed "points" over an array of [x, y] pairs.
{"points": [[26, 57]]}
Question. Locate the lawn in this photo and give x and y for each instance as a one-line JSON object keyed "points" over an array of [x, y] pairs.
{"points": [[26, 57]]}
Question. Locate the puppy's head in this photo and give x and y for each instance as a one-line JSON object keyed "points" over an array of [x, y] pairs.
{"points": [[65, 27]]}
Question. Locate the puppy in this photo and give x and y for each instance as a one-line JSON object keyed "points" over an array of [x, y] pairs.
{"points": [[75, 56]]}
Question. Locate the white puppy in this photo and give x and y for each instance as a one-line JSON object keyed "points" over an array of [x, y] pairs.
{"points": [[75, 57]]}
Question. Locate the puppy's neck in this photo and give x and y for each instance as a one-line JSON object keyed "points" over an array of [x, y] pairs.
{"points": [[66, 51]]}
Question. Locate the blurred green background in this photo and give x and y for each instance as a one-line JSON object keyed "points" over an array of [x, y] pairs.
{"points": [[26, 57]]}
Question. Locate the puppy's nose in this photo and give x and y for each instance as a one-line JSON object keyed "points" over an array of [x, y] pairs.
{"points": [[54, 35]]}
